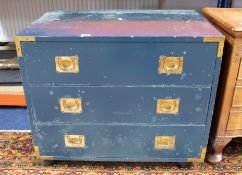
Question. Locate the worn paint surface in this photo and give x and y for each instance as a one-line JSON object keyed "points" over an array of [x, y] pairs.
{"points": [[119, 83], [136, 105], [120, 63], [122, 23], [119, 142]]}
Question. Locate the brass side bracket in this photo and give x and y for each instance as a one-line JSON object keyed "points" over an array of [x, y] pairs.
{"points": [[36, 150], [219, 40], [46, 157], [201, 159], [37, 154], [19, 39]]}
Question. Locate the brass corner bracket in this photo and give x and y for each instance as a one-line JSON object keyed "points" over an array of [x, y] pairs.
{"points": [[46, 157], [37, 154], [19, 39], [219, 40], [201, 159], [36, 151]]}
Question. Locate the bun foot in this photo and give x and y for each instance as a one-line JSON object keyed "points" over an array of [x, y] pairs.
{"points": [[218, 144], [214, 158], [184, 165], [49, 162]]}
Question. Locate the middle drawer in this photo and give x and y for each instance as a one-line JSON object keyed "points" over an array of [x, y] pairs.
{"points": [[149, 105]]}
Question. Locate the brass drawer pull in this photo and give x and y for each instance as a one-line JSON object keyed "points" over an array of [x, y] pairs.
{"points": [[71, 105], [167, 106], [67, 64], [170, 65], [75, 141], [165, 142]]}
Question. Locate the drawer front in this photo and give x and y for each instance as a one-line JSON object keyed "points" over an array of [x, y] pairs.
{"points": [[150, 105], [115, 142], [237, 100], [119, 63], [235, 120], [240, 71]]}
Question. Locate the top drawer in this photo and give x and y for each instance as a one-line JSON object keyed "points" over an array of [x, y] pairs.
{"points": [[119, 63]]}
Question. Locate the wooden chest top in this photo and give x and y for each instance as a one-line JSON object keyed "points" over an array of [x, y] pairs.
{"points": [[228, 19], [165, 23]]}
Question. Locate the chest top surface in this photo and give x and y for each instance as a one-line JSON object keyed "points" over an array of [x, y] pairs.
{"points": [[229, 19], [136, 23]]}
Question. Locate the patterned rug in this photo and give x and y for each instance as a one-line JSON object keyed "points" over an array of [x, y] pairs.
{"points": [[17, 157]]}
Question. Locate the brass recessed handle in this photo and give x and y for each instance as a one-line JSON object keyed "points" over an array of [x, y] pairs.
{"points": [[170, 65], [167, 106], [71, 105], [165, 142], [75, 141], [67, 64]]}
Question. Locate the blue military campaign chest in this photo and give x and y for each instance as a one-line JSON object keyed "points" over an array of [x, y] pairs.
{"points": [[120, 85]]}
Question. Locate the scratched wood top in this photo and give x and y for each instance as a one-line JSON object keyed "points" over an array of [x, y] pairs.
{"points": [[154, 23], [229, 19]]}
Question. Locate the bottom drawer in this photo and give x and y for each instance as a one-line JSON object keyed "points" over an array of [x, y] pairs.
{"points": [[235, 121], [120, 142]]}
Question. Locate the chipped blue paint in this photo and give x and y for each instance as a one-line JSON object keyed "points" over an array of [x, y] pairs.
{"points": [[119, 63], [132, 104], [118, 142]]}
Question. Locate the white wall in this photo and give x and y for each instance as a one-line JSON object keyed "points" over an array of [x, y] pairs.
{"points": [[187, 4], [237, 3]]}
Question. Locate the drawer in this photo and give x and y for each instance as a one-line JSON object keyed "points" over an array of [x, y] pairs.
{"points": [[151, 105], [237, 99], [235, 120], [119, 63], [240, 71], [120, 142]]}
